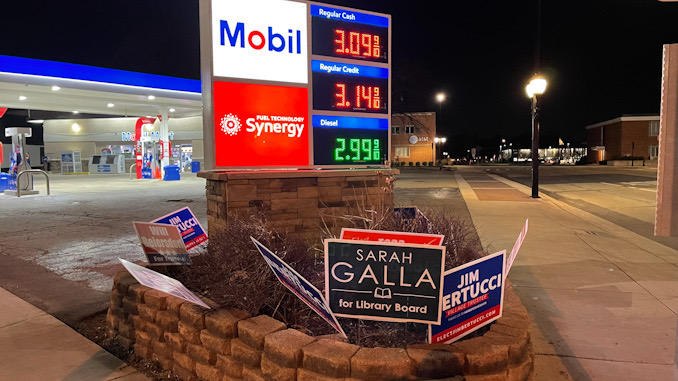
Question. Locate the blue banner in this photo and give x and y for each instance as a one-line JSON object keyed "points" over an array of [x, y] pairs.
{"points": [[326, 121], [301, 287], [472, 298], [347, 15], [349, 69]]}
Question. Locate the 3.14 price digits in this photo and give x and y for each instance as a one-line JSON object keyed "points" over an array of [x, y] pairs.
{"points": [[356, 150], [357, 44], [368, 97]]}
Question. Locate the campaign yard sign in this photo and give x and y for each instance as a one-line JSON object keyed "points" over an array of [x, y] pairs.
{"points": [[160, 282], [384, 281], [390, 236], [299, 286], [191, 231], [162, 243], [516, 247], [472, 298]]}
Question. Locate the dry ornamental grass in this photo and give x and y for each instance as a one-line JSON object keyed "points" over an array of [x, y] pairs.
{"points": [[232, 273]]}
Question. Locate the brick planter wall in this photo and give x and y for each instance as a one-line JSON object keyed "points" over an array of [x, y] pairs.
{"points": [[229, 344], [295, 201]]}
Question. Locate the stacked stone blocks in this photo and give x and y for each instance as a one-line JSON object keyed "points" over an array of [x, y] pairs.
{"points": [[227, 344], [296, 201]]}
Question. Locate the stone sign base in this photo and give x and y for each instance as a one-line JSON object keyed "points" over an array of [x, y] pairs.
{"points": [[296, 201], [224, 344]]}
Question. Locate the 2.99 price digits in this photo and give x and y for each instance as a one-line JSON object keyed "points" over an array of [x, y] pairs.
{"points": [[357, 44], [368, 97], [357, 150]]}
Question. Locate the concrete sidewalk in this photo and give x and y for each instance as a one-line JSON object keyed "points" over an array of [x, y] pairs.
{"points": [[37, 346], [602, 299]]}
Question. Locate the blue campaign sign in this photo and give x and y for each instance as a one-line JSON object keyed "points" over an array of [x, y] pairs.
{"points": [[191, 231], [472, 298], [301, 287]]}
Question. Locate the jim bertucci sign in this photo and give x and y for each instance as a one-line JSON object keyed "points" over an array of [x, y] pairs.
{"points": [[384, 281], [162, 243], [191, 231], [160, 282], [472, 298], [299, 286]]}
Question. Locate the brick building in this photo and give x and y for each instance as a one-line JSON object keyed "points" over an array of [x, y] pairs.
{"points": [[623, 137], [412, 137]]}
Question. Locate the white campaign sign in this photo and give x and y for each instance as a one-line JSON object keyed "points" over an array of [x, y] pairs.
{"points": [[516, 247], [261, 40], [160, 282]]}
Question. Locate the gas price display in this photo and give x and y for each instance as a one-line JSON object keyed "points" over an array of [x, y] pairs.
{"points": [[338, 140], [352, 88], [341, 33]]}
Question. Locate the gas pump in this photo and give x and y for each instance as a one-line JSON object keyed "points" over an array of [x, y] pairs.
{"points": [[18, 158], [145, 151]]}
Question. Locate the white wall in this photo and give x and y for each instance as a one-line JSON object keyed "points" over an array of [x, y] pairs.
{"points": [[96, 133]]}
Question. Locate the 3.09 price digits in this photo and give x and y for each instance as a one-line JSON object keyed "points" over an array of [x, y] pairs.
{"points": [[357, 44], [356, 150], [368, 97]]}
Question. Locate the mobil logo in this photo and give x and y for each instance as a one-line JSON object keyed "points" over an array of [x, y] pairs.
{"points": [[235, 34], [262, 40]]}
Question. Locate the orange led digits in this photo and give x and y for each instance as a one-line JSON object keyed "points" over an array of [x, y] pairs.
{"points": [[366, 97], [358, 45], [341, 95]]}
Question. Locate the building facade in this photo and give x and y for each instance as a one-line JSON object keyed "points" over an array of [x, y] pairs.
{"points": [[623, 137], [412, 137]]}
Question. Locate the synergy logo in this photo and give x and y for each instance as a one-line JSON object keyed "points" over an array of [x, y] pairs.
{"points": [[263, 40], [230, 124], [267, 124], [260, 125]]}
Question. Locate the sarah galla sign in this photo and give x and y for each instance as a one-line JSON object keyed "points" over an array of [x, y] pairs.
{"points": [[384, 281]]}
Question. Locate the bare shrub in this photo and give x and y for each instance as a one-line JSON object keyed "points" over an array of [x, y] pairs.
{"points": [[233, 273]]}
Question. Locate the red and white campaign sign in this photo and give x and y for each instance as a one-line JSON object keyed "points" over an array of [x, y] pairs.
{"points": [[389, 236], [162, 243], [516, 247], [160, 282], [260, 125]]}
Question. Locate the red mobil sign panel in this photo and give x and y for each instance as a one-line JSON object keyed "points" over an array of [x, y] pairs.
{"points": [[260, 125]]}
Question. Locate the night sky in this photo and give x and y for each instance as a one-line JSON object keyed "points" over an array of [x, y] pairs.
{"points": [[602, 57]]}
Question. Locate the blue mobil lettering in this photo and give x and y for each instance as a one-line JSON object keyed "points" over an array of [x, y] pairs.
{"points": [[257, 40]]}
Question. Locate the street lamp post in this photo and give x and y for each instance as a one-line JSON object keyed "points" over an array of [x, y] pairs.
{"points": [[537, 86], [437, 142]]}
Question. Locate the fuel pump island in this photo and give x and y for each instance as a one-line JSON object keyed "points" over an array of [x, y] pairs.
{"points": [[20, 172]]}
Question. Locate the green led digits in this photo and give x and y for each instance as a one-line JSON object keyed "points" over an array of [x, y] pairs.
{"points": [[357, 150], [337, 151]]}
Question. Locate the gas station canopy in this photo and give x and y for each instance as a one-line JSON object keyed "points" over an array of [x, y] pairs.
{"points": [[56, 86]]}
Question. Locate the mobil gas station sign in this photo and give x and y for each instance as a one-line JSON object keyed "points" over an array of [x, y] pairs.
{"points": [[290, 84]]}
